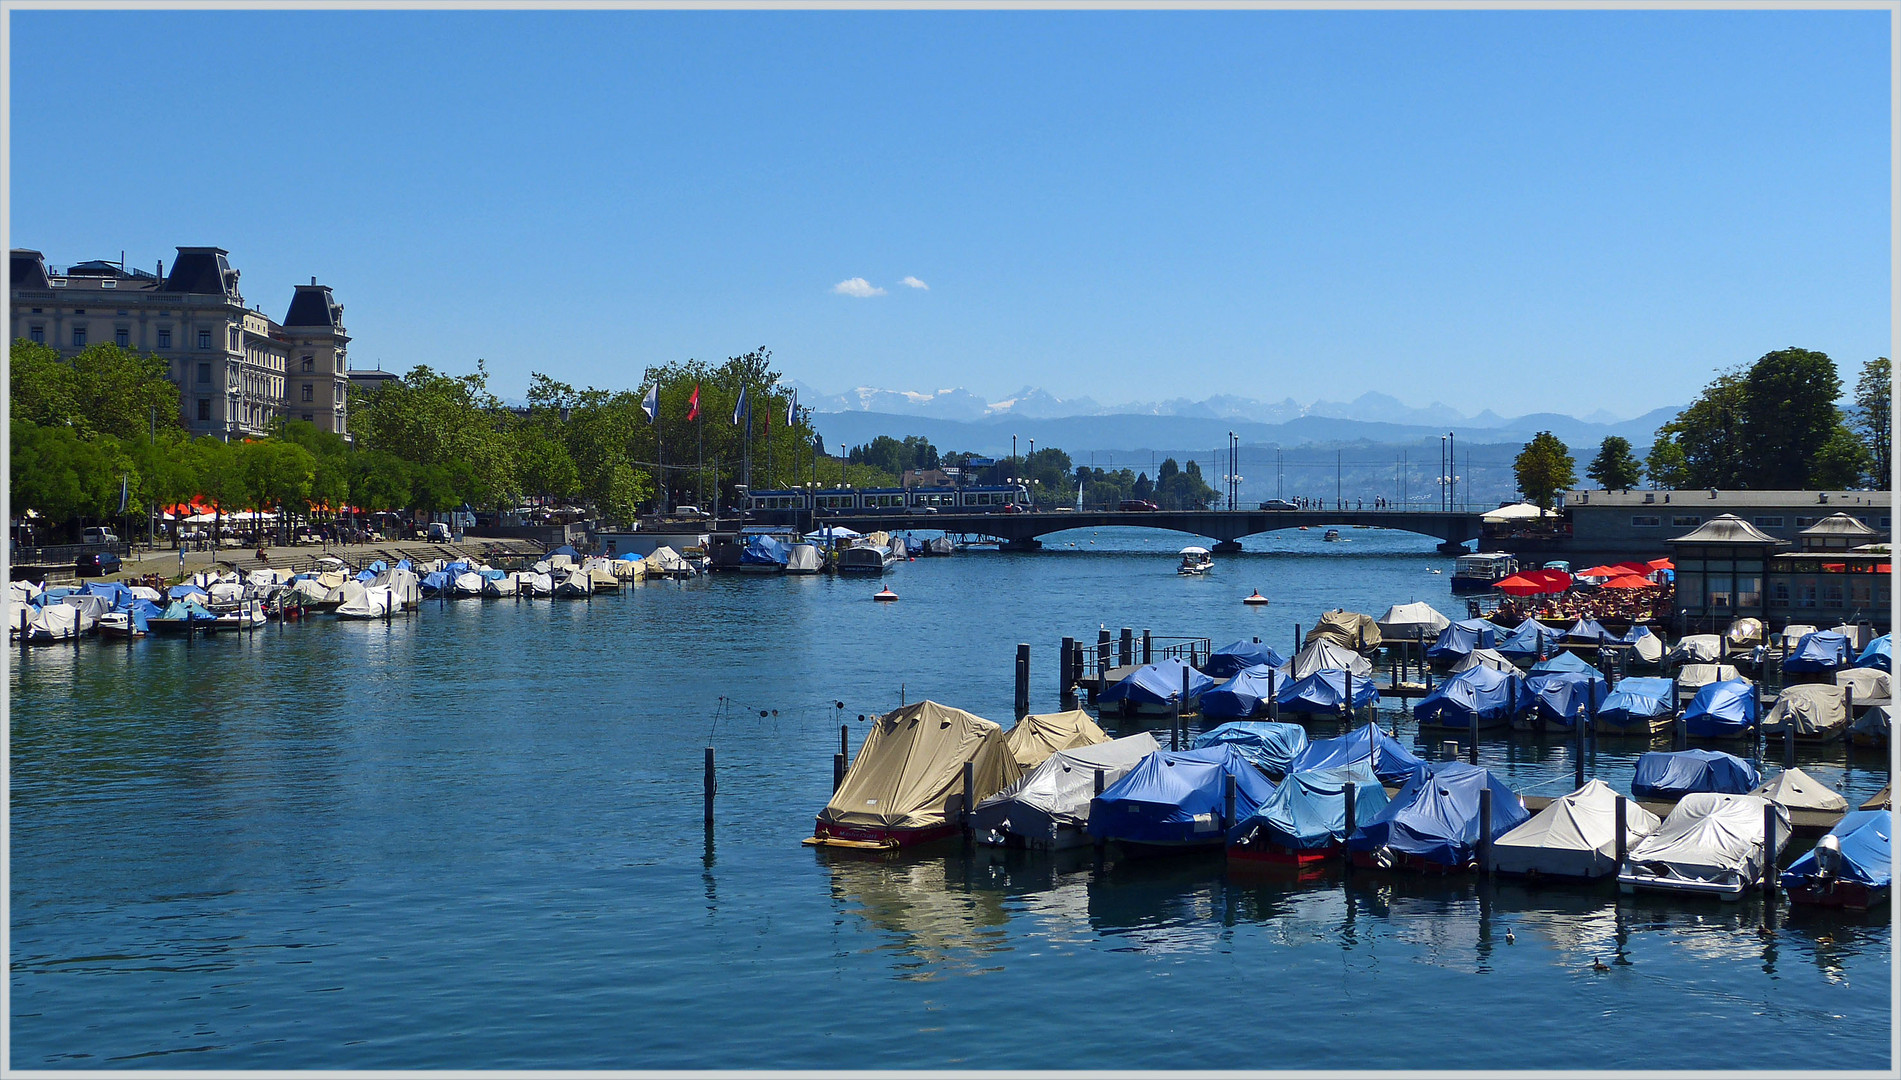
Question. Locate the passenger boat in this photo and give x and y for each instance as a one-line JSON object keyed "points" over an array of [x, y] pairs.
{"points": [[1481, 572], [866, 559], [1330, 534], [1195, 561]]}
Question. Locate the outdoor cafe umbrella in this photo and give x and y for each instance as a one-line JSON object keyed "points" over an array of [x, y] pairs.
{"points": [[1603, 572], [1630, 581], [1520, 585], [1661, 564]]}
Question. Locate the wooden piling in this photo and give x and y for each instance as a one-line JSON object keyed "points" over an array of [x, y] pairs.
{"points": [[1102, 651], [1768, 851], [970, 797], [1788, 744], [711, 785], [1346, 707], [1125, 647], [1623, 840], [1023, 680], [1472, 755], [844, 740], [1100, 843], [1577, 764], [1273, 694], [1485, 829], [838, 772], [1227, 805], [1065, 675], [1148, 648], [1351, 792], [1296, 637]]}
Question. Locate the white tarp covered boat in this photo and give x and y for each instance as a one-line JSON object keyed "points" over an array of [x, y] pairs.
{"points": [[467, 584], [367, 602], [1325, 655], [1814, 710], [57, 622], [1049, 807], [1798, 790], [666, 562], [1871, 685], [1574, 837], [1412, 622], [1697, 649], [1693, 677], [1710, 845], [804, 559], [1490, 658], [535, 584], [501, 586]]}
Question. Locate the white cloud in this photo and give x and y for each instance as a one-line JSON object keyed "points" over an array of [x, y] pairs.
{"points": [[858, 287], [915, 283]]}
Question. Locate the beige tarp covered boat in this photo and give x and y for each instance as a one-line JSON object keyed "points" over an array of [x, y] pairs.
{"points": [[1871, 684], [1490, 658], [1037, 736], [1744, 634], [1694, 676], [1813, 709], [906, 785], [1575, 836], [1798, 790], [1347, 628], [1410, 622]]}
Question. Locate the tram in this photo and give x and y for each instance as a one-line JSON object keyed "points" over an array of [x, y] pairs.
{"points": [[976, 499]]}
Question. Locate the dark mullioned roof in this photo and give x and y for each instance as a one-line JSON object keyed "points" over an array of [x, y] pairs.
{"points": [[201, 270], [312, 305], [28, 269]]}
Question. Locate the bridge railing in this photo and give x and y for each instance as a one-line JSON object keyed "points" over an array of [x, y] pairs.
{"points": [[1112, 650]]}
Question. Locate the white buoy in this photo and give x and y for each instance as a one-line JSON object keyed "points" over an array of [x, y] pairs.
{"points": [[885, 594]]}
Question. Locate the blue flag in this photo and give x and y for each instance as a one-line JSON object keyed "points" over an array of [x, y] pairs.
{"points": [[651, 403], [739, 407]]}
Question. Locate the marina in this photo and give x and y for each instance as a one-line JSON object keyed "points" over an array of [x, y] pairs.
{"points": [[622, 871]]}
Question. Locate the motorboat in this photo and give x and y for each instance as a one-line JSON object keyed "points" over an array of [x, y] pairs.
{"points": [[1710, 845], [1666, 775], [1177, 801], [1154, 689], [1433, 823], [1304, 822], [1851, 867], [1196, 561], [1573, 838], [906, 785], [1048, 808]]}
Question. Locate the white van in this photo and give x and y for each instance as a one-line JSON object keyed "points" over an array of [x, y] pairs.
{"points": [[98, 535]]}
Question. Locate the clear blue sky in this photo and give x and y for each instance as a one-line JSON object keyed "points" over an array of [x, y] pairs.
{"points": [[1532, 210]]}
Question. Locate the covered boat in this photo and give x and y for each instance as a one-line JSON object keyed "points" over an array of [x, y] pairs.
{"points": [[1230, 660], [1267, 745], [1710, 845], [532, 584], [1851, 867], [1412, 622], [1148, 690], [905, 786], [1824, 650], [1560, 662], [576, 584], [1304, 821], [1460, 638], [1798, 790], [1693, 677], [366, 602], [1348, 629], [1871, 686], [1721, 710], [1480, 693], [1433, 823], [1324, 694], [804, 559], [1669, 775], [1246, 694], [1744, 634], [1878, 653], [1176, 801], [1327, 656], [666, 562], [499, 587], [1530, 639], [1038, 735], [1587, 632], [1873, 727], [57, 622], [764, 554], [1696, 649], [1048, 807], [182, 616], [1391, 762], [1563, 698], [1490, 658], [1637, 706], [1645, 646], [1813, 710], [1573, 837], [467, 583]]}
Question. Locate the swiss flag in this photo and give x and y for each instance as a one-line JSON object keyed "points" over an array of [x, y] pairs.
{"points": [[693, 404]]}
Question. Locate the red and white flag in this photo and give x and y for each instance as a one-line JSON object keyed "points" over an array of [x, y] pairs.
{"points": [[693, 404]]}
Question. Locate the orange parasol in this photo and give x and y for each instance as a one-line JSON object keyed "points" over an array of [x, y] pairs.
{"points": [[1630, 581]]}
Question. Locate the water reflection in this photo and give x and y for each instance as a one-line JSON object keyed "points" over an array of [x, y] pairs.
{"points": [[941, 914]]}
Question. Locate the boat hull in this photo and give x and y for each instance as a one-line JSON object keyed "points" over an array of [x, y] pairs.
{"points": [[1850, 895], [872, 837]]}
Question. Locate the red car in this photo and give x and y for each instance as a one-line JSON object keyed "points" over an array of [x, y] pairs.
{"points": [[1012, 508], [1137, 504]]}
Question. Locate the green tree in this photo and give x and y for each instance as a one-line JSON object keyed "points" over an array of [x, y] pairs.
{"points": [[1544, 468], [1666, 466], [1708, 435], [1874, 418], [1615, 468], [103, 390], [437, 421], [220, 470], [1788, 415], [1841, 462]]}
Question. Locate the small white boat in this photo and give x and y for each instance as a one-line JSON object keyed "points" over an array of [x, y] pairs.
{"points": [[117, 624], [532, 585], [468, 584], [374, 602], [1331, 534], [575, 586], [501, 586], [1196, 561], [247, 616]]}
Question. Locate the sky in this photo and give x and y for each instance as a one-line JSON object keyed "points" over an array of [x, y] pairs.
{"points": [[1526, 211]]}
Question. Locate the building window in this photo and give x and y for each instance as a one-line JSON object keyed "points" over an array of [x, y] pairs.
{"points": [[204, 408], [233, 334], [1686, 520], [79, 311], [37, 333], [122, 336], [204, 339], [165, 337], [1770, 522], [1748, 592], [1832, 594], [309, 392], [1804, 522], [1645, 521], [1779, 592], [310, 364], [1805, 596], [204, 373], [36, 311], [79, 337]]}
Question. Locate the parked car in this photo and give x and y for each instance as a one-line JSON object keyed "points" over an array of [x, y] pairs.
{"points": [[1280, 504], [1137, 504], [439, 532], [688, 512], [98, 535], [97, 564]]}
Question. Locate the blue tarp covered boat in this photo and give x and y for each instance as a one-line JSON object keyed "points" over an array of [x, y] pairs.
{"points": [[1561, 698], [1633, 705], [1490, 696], [1175, 800], [1149, 688], [1305, 818], [1721, 710], [1434, 820], [1230, 660], [1665, 775], [765, 552], [1531, 638], [564, 549], [1562, 661], [1588, 632], [435, 581], [1878, 654], [179, 616], [1391, 762], [191, 592], [1324, 693], [1824, 650], [1268, 746], [1851, 867], [1244, 695], [1457, 641]]}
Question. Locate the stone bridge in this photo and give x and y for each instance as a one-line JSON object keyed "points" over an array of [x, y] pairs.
{"points": [[1019, 532]]}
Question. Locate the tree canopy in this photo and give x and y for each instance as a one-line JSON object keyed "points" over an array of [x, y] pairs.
{"points": [[1544, 468], [1772, 425], [1615, 468]]}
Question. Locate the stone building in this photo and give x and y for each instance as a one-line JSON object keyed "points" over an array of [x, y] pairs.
{"points": [[236, 370]]}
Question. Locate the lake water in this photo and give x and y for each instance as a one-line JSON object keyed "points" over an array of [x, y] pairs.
{"points": [[472, 839]]}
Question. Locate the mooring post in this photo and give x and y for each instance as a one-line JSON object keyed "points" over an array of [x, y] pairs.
{"points": [[1174, 721], [1148, 647], [1788, 744], [1346, 707], [1472, 755], [1102, 650], [1577, 763], [970, 797], [1623, 839], [1679, 730], [711, 785], [1485, 829], [1186, 672], [1227, 805], [1023, 680], [1273, 694], [1125, 647], [838, 772], [1768, 850], [1351, 792], [1296, 637]]}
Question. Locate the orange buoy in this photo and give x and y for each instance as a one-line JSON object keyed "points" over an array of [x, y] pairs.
{"points": [[1257, 598], [885, 594]]}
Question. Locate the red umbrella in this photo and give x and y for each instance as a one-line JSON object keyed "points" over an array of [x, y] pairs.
{"points": [[1553, 580], [1661, 564], [1603, 571], [1520, 585], [1640, 569], [1630, 581]]}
